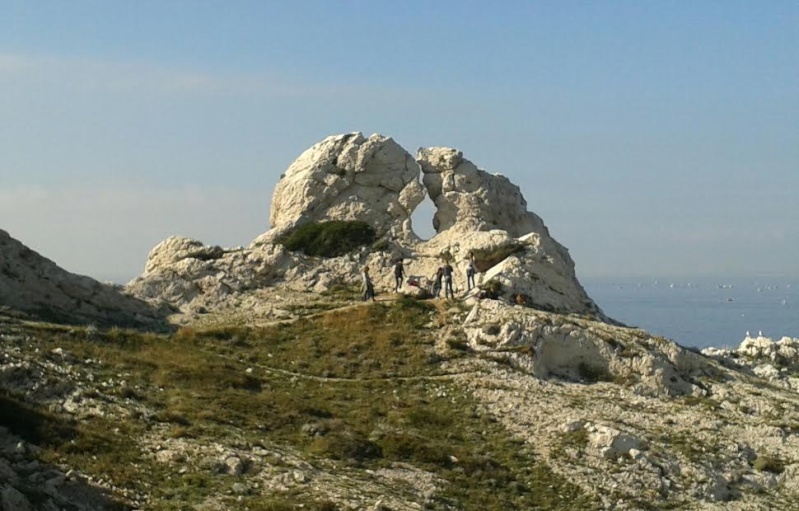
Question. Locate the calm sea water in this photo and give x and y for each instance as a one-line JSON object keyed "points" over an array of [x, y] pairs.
{"points": [[704, 312]]}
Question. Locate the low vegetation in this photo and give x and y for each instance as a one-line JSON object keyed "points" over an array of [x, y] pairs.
{"points": [[329, 239], [360, 388]]}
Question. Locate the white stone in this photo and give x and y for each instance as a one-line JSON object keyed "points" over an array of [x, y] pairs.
{"points": [[469, 199], [349, 177], [612, 443]]}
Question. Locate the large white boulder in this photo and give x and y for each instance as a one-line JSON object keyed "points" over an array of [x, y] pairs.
{"points": [[349, 177], [541, 274]]}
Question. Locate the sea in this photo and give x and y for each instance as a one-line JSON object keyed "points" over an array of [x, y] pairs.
{"points": [[702, 312]]}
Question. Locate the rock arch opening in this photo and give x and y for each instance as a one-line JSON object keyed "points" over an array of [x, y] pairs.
{"points": [[422, 219]]}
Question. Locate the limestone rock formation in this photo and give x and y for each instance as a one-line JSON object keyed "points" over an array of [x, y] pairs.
{"points": [[37, 286], [470, 199], [776, 361], [187, 274], [349, 177], [577, 349]]}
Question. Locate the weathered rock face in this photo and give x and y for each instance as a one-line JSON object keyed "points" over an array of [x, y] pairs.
{"points": [[581, 350], [187, 274], [349, 177], [470, 199], [37, 286]]}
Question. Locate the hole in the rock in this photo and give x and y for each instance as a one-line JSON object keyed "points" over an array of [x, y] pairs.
{"points": [[422, 219]]}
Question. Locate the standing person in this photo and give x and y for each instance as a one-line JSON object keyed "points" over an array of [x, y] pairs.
{"points": [[437, 281], [448, 292], [470, 273], [399, 273], [366, 286]]}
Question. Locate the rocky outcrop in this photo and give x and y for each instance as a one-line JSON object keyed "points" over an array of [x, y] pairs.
{"points": [[574, 348], [374, 180], [777, 361], [38, 287], [185, 273], [349, 177], [29, 485], [470, 199]]}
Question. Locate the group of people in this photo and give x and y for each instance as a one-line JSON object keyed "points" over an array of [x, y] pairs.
{"points": [[368, 287], [442, 279]]}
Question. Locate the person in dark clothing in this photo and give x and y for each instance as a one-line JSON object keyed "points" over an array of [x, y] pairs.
{"points": [[367, 287], [437, 281], [470, 273], [399, 274], [448, 292]]}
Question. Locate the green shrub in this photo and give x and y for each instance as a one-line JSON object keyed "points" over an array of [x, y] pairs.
{"points": [[327, 505], [346, 446], [33, 425], [413, 448], [457, 343], [591, 373], [412, 305], [381, 245], [341, 291], [328, 239], [272, 504]]}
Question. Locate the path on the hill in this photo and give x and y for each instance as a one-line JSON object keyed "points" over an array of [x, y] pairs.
{"points": [[440, 306]]}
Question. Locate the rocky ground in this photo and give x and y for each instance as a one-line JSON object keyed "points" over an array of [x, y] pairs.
{"points": [[634, 422]]}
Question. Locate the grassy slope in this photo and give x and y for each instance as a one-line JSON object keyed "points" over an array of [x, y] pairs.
{"points": [[366, 377]]}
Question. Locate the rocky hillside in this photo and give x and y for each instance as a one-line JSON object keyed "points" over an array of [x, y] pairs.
{"points": [[37, 287], [402, 404], [281, 389]]}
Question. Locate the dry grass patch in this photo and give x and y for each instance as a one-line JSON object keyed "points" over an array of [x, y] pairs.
{"points": [[237, 385]]}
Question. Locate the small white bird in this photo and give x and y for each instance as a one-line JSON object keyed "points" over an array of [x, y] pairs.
{"points": [[747, 333], [760, 333]]}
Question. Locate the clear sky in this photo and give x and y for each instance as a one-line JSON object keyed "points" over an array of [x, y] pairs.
{"points": [[654, 138]]}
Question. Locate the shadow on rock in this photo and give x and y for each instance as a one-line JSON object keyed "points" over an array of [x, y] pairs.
{"points": [[26, 483]]}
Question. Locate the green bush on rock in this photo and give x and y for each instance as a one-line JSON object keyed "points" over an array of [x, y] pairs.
{"points": [[328, 239]]}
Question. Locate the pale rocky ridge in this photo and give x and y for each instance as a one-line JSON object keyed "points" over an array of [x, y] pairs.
{"points": [[37, 286]]}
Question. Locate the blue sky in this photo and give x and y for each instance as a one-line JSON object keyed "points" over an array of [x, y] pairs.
{"points": [[654, 138]]}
